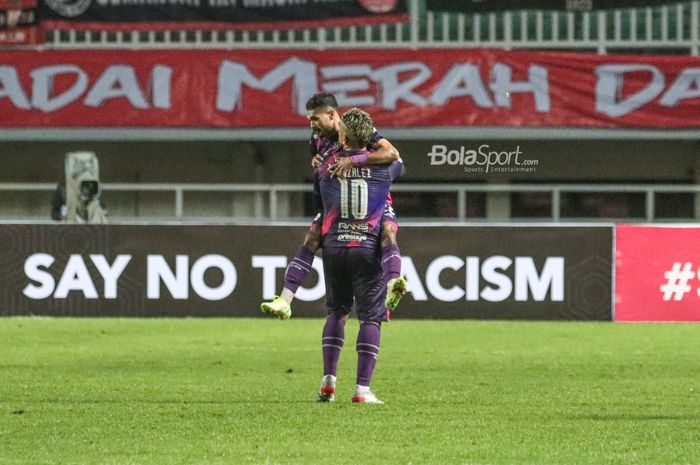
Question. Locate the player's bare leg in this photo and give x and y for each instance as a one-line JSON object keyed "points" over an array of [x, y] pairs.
{"points": [[297, 270]]}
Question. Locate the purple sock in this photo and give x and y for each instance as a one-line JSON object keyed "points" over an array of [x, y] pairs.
{"points": [[298, 269], [367, 351], [391, 262], [332, 342]]}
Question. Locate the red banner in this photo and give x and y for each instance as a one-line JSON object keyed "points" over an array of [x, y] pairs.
{"points": [[657, 274], [255, 88]]}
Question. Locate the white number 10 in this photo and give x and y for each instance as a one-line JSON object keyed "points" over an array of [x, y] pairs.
{"points": [[356, 201]]}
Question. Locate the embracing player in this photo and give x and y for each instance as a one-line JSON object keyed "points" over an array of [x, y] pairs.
{"points": [[353, 208], [322, 112]]}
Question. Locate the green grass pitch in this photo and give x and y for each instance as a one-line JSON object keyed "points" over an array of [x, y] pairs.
{"points": [[241, 391]]}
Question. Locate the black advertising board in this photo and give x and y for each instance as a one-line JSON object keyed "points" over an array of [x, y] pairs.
{"points": [[512, 272], [218, 14], [479, 272]]}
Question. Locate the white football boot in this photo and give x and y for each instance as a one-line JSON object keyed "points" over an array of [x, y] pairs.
{"points": [[326, 393], [363, 394]]}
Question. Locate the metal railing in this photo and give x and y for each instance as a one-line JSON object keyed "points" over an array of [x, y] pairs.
{"points": [[269, 195], [673, 27]]}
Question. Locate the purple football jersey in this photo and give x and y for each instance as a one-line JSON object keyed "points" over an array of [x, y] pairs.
{"points": [[323, 145], [353, 207]]}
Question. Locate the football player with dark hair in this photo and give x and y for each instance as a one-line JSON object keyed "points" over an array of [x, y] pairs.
{"points": [[322, 113]]}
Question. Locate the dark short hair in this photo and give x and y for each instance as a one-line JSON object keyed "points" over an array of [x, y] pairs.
{"points": [[360, 125], [322, 101]]}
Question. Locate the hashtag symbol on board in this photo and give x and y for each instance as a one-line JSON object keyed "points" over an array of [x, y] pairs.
{"points": [[677, 281]]}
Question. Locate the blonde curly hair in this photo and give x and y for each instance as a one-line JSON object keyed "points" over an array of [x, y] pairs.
{"points": [[360, 126]]}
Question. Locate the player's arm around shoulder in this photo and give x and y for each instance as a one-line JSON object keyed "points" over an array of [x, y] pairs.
{"points": [[388, 155], [384, 153]]}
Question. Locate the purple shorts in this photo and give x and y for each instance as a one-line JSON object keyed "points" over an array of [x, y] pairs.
{"points": [[354, 274]]}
